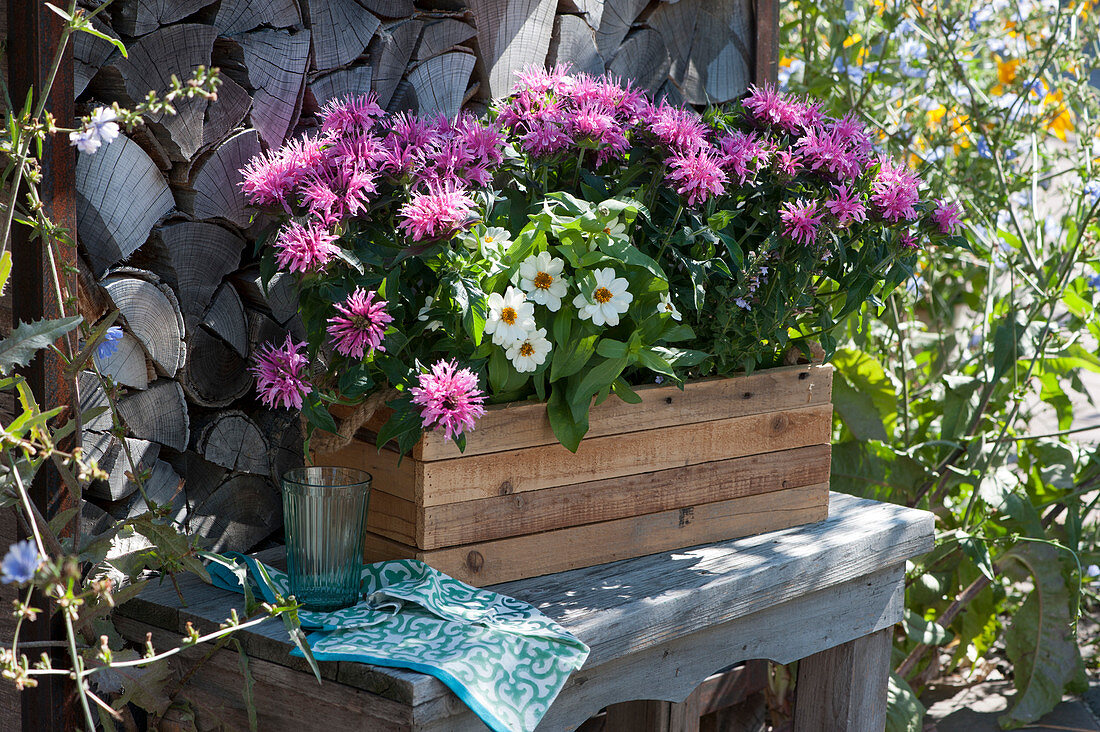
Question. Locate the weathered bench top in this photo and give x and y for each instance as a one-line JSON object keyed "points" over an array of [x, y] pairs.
{"points": [[788, 593]]}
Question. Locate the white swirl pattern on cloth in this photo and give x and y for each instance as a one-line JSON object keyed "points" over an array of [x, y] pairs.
{"points": [[505, 659]]}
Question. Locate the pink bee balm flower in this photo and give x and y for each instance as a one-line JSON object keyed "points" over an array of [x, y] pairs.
{"points": [[846, 205], [361, 324], [699, 175], [800, 220], [907, 240], [304, 248], [269, 177], [948, 217], [743, 154], [449, 398], [281, 374], [771, 106], [894, 192], [351, 115], [682, 130], [435, 213]]}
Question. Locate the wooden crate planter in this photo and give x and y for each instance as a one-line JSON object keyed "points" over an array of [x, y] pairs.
{"points": [[721, 459]]}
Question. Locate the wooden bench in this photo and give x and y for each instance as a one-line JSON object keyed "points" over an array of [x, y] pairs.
{"points": [[828, 593]]}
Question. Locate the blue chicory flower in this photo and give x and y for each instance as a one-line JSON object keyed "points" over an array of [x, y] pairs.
{"points": [[109, 344], [1092, 571], [1092, 190], [20, 563], [1094, 281]]}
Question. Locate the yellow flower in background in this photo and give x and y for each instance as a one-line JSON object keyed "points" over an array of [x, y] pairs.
{"points": [[861, 56], [935, 115], [1061, 121], [1006, 71], [852, 40]]}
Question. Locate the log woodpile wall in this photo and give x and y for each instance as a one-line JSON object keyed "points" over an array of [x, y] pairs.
{"points": [[166, 237]]}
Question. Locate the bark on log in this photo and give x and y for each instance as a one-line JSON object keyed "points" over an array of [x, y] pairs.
{"points": [[226, 318], [109, 454], [158, 414], [234, 441], [216, 184], [574, 43], [276, 61], [241, 512], [711, 46], [215, 375], [151, 312], [511, 34], [341, 31], [128, 365], [120, 194], [200, 255]]}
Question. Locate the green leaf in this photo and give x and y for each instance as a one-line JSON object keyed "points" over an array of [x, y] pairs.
{"points": [[404, 425], [248, 688], [61, 520], [978, 552], [317, 413], [1006, 344], [93, 341], [610, 348], [568, 430], [298, 638], [90, 30], [1042, 640], [928, 632], [622, 390], [863, 396], [570, 357], [600, 376], [27, 339], [904, 712], [5, 269]]}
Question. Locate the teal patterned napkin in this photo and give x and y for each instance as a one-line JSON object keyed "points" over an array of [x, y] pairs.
{"points": [[502, 657]]}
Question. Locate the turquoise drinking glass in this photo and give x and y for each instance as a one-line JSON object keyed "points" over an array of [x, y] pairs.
{"points": [[324, 515]]}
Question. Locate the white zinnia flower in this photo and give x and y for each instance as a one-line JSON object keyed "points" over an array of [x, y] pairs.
{"points": [[511, 317], [528, 354], [667, 306], [607, 301], [540, 277], [492, 242], [101, 129], [423, 315], [615, 230]]}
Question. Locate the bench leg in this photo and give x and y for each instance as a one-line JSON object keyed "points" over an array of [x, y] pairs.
{"points": [[654, 716], [844, 688]]}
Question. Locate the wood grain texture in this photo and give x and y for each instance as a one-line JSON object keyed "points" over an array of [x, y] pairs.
{"points": [[341, 31], [615, 21], [574, 42], [511, 34], [657, 625], [128, 365], [503, 560], [654, 716], [120, 194], [226, 318], [108, 453], [438, 85], [159, 414], [236, 16], [138, 17], [441, 36], [231, 439], [150, 311], [342, 83], [711, 43], [90, 53], [201, 255], [276, 62], [525, 424], [391, 50], [532, 468], [497, 517], [242, 511], [225, 113], [844, 687], [216, 182], [151, 63], [215, 374], [642, 59]]}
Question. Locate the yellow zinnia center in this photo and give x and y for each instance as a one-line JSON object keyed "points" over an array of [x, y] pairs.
{"points": [[508, 315], [526, 349], [602, 295], [543, 281], [488, 240], [607, 230]]}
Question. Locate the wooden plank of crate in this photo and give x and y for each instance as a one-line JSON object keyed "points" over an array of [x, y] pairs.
{"points": [[503, 560], [392, 516], [532, 468], [453, 524], [517, 425]]}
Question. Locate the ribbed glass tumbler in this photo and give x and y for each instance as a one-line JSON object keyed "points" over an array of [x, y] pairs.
{"points": [[324, 515]]}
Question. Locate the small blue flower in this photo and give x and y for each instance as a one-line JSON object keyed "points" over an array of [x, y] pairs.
{"points": [[20, 563], [1092, 571], [1092, 190], [1094, 281], [983, 148], [742, 303], [109, 344]]}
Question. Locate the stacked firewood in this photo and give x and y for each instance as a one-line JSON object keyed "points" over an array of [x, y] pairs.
{"points": [[167, 240]]}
